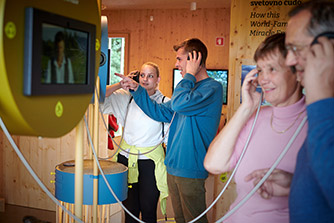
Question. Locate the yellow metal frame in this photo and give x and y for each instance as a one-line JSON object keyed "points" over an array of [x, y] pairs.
{"points": [[37, 115]]}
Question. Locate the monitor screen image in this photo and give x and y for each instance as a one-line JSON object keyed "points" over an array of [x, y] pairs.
{"points": [[64, 57], [59, 54], [220, 75], [177, 77]]}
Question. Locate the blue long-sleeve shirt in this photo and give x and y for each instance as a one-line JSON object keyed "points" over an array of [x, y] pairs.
{"points": [[197, 107], [312, 189]]}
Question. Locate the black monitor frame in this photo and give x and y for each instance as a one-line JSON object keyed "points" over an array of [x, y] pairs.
{"points": [[33, 52]]}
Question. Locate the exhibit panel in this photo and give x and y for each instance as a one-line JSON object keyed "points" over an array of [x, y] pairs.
{"points": [[31, 102]]}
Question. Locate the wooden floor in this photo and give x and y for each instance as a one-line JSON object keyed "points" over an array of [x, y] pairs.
{"points": [[15, 214]]}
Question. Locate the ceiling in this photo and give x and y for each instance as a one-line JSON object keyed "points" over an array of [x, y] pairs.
{"points": [[163, 4]]}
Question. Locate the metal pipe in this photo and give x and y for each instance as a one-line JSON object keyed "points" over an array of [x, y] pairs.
{"points": [[96, 146], [79, 169]]}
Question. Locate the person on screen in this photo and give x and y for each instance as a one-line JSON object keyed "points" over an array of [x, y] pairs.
{"points": [[147, 178], [273, 129], [59, 70]]}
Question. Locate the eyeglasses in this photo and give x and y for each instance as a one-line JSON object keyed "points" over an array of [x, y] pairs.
{"points": [[295, 49]]}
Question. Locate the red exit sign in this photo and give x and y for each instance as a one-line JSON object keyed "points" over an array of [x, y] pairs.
{"points": [[219, 41]]}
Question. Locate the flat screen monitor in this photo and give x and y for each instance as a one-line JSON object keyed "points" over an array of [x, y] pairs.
{"points": [[59, 54], [220, 75]]}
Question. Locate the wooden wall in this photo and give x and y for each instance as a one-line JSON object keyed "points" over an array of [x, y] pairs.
{"points": [[43, 154], [2, 194], [259, 19], [154, 40]]}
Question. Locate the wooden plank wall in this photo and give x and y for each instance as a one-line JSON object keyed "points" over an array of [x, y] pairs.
{"points": [[154, 40], [251, 22], [43, 154], [2, 194], [1, 166]]}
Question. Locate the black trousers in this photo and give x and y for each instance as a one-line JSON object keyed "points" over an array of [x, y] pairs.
{"points": [[143, 196]]}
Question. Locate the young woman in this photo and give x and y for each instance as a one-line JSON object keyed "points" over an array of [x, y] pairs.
{"points": [[147, 173], [274, 127]]}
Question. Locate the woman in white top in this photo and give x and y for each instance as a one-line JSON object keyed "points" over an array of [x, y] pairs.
{"points": [[147, 177]]}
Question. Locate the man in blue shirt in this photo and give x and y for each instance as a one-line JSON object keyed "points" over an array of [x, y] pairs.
{"points": [[312, 189], [197, 103]]}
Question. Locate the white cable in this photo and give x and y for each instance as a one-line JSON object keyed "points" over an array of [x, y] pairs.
{"points": [[104, 177], [267, 174], [236, 166], [33, 174]]}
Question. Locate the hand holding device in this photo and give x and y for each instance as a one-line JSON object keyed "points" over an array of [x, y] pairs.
{"points": [[127, 82], [193, 56], [134, 75], [194, 62], [318, 75], [329, 35], [250, 97]]}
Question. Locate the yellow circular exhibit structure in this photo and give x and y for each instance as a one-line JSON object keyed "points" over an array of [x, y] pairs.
{"points": [[49, 60]]}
